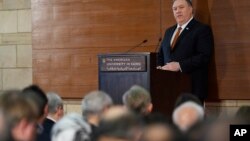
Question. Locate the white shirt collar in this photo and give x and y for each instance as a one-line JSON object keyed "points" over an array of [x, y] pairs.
{"points": [[49, 117], [184, 25]]}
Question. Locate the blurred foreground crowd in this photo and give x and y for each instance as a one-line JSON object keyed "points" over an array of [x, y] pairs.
{"points": [[33, 115]]}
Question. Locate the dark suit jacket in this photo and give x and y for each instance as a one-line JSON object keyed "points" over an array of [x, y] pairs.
{"points": [[193, 51], [46, 133]]}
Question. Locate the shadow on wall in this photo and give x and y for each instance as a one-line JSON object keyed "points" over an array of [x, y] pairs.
{"points": [[231, 35], [203, 14]]}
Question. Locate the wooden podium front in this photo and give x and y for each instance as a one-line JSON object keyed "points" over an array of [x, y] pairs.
{"points": [[118, 72]]}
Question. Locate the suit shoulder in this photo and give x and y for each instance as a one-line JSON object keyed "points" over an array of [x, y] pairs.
{"points": [[168, 30]]}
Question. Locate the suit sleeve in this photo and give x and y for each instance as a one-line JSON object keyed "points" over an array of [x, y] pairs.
{"points": [[203, 45], [164, 52], [160, 59]]}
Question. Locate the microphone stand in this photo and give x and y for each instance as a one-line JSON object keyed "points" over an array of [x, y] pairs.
{"points": [[158, 44], [143, 42]]}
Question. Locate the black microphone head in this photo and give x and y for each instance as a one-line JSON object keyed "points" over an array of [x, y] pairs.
{"points": [[144, 41]]}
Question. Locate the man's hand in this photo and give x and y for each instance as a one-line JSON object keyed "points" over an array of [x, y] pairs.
{"points": [[172, 66]]}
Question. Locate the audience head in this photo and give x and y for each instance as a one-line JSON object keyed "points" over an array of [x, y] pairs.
{"points": [[243, 114], [183, 11], [94, 104], [115, 112], [187, 114], [71, 128], [37, 96], [118, 124], [55, 106], [4, 129], [185, 97], [20, 115], [158, 128], [138, 100], [218, 130]]}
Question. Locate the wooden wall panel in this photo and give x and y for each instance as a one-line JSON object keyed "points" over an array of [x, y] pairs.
{"points": [[230, 25], [68, 35]]}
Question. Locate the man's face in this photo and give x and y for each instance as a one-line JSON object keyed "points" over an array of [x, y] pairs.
{"points": [[182, 11]]}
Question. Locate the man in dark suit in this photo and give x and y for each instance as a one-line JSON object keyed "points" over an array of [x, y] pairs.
{"points": [[55, 113], [187, 47]]}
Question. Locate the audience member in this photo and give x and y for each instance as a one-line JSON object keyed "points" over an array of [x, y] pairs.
{"points": [[5, 134], [118, 124], [187, 114], [37, 97], [94, 104], [19, 116], [218, 130], [184, 97], [158, 128], [138, 100], [71, 128], [55, 112], [243, 114]]}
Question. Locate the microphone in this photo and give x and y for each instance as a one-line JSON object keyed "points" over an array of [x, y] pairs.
{"points": [[143, 42], [156, 53], [158, 44]]}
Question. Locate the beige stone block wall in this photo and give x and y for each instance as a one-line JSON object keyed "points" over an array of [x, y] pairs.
{"points": [[16, 4], [225, 108], [72, 106], [243, 103], [8, 21], [8, 56], [16, 78], [15, 44], [16, 39], [1, 4], [24, 20], [24, 56]]}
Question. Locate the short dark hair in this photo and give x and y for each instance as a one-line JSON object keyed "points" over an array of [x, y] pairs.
{"points": [[189, 2], [37, 95], [185, 97]]}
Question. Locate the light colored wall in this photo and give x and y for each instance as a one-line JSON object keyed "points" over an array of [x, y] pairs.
{"points": [[15, 44]]}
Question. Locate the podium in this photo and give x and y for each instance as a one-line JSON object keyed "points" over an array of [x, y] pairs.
{"points": [[118, 72]]}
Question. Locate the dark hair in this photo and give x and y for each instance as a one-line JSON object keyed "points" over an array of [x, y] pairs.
{"points": [[185, 97], [15, 107], [189, 2], [37, 96]]}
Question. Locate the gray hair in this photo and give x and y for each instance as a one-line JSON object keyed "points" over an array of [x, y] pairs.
{"points": [[94, 102], [71, 127], [54, 101], [189, 104], [136, 98]]}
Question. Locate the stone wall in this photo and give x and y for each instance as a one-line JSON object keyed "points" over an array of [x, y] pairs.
{"points": [[15, 44]]}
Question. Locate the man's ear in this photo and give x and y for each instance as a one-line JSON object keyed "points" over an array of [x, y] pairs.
{"points": [[150, 108], [46, 110]]}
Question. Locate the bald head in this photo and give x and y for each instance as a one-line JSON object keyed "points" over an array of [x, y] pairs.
{"points": [[187, 114]]}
